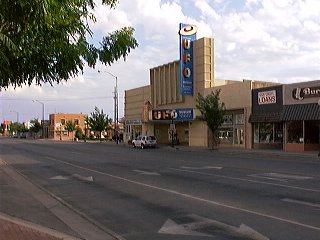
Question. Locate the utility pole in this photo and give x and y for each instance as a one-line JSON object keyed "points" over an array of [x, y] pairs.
{"points": [[42, 122], [116, 107]]}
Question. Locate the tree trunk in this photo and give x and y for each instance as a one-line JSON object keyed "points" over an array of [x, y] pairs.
{"points": [[214, 142]]}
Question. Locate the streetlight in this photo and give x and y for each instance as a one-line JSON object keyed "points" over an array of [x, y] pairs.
{"points": [[17, 115], [116, 104], [42, 123]]}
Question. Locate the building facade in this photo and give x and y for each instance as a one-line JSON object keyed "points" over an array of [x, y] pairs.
{"points": [[301, 116], [287, 117], [165, 110], [57, 130], [267, 105]]}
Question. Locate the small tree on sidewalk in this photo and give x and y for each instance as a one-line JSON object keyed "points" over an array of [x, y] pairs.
{"points": [[36, 127], [212, 111], [70, 127], [99, 121]]}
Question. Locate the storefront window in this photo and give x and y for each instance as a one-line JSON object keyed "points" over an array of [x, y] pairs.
{"points": [[295, 132], [266, 133], [278, 133], [312, 134], [256, 133], [225, 136]]}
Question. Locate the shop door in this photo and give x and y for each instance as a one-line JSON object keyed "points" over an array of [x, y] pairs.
{"points": [[238, 136]]}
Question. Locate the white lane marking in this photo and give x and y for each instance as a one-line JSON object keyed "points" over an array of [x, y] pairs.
{"points": [[147, 173], [174, 192], [283, 176], [171, 227], [201, 168], [316, 205], [268, 178], [60, 177], [199, 223], [247, 180], [77, 176]]}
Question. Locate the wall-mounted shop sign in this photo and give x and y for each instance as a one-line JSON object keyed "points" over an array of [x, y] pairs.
{"points": [[187, 36], [179, 114], [301, 93], [267, 97], [308, 92]]}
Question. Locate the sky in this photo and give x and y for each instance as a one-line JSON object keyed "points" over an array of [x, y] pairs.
{"points": [[266, 40]]}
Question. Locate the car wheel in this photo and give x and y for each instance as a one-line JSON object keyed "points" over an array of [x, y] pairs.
{"points": [[133, 145], [142, 146]]}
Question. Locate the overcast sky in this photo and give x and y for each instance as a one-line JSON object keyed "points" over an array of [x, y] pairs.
{"points": [[267, 40]]}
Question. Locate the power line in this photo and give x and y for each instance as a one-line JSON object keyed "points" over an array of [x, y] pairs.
{"points": [[53, 100]]}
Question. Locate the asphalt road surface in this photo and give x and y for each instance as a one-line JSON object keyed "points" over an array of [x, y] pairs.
{"points": [[165, 193]]}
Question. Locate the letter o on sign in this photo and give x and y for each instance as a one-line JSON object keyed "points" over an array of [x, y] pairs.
{"points": [[186, 72]]}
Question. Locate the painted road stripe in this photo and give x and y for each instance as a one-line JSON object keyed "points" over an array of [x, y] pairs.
{"points": [[202, 168], [147, 173], [316, 205], [248, 180], [188, 196]]}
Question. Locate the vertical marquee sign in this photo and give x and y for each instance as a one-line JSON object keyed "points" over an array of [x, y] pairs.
{"points": [[187, 36]]}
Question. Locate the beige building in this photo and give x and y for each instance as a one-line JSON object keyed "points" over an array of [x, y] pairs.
{"points": [[162, 110], [58, 122]]}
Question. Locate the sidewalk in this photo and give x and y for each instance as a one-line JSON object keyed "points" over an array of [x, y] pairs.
{"points": [[16, 229]]}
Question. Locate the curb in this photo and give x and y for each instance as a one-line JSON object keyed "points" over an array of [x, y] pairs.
{"points": [[37, 227]]}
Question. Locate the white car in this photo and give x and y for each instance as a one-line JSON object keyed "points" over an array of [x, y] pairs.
{"points": [[144, 141]]}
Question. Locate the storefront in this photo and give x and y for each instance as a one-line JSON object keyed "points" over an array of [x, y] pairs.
{"points": [[301, 116], [172, 125], [267, 104], [171, 99]]}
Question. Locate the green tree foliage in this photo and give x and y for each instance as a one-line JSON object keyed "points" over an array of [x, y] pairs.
{"points": [[15, 128], [212, 111], [79, 133], [36, 127], [45, 41], [70, 127], [98, 121]]}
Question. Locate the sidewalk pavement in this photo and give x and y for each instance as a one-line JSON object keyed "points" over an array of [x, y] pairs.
{"points": [[16, 229]]}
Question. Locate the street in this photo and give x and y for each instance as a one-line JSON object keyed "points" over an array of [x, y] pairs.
{"points": [[167, 193]]}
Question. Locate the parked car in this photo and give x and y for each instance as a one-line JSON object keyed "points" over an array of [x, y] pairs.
{"points": [[144, 141]]}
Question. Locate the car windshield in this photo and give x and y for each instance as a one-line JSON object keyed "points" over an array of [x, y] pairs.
{"points": [[151, 138]]}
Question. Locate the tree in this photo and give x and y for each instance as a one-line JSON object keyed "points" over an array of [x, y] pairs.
{"points": [[79, 133], [98, 121], [36, 126], [45, 41], [70, 127], [212, 111]]}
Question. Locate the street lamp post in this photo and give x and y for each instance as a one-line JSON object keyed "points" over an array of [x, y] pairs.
{"points": [[17, 115], [116, 106], [85, 130], [42, 122]]}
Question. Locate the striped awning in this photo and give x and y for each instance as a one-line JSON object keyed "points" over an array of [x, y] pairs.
{"points": [[265, 117], [300, 112]]}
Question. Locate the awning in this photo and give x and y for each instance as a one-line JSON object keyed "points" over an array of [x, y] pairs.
{"points": [[300, 112], [265, 117]]}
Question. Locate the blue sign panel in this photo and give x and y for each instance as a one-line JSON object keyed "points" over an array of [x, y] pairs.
{"points": [[185, 114], [187, 36]]}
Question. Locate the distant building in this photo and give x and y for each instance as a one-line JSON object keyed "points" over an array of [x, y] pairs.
{"points": [[56, 129], [6, 127]]}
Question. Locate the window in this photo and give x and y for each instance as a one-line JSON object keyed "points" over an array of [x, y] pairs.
{"points": [[76, 122], [256, 133], [63, 122], [266, 132], [312, 132], [295, 132]]}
